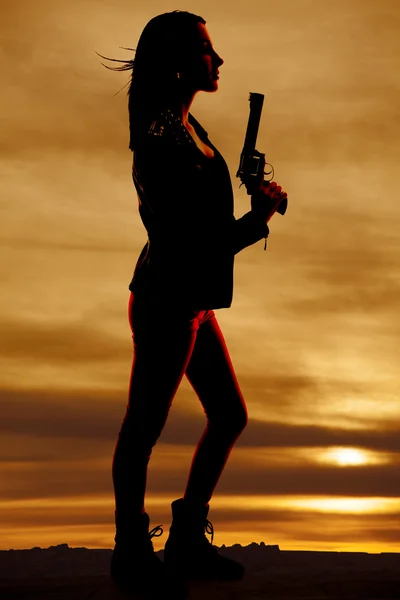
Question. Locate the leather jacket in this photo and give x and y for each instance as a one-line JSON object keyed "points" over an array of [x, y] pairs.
{"points": [[187, 207]]}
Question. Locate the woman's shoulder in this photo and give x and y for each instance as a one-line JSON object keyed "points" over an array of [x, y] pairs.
{"points": [[168, 126], [156, 137], [163, 142], [166, 138], [166, 132], [159, 127], [165, 125]]}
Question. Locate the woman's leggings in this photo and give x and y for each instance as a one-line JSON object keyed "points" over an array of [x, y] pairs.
{"points": [[167, 344]]}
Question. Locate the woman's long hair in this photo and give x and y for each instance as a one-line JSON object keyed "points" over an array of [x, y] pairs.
{"points": [[165, 49]]}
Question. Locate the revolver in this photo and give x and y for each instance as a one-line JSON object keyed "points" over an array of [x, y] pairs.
{"points": [[252, 163]]}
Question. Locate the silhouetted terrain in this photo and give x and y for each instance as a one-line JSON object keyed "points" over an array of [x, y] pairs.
{"points": [[63, 573]]}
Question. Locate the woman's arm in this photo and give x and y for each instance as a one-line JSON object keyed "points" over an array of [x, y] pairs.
{"points": [[165, 179], [248, 229]]}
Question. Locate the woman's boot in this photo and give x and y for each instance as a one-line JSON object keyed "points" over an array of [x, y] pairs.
{"points": [[136, 569], [188, 553]]}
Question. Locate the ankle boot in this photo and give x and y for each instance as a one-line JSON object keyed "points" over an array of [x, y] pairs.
{"points": [[136, 569], [188, 554]]}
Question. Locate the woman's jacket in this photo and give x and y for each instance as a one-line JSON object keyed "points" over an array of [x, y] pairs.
{"points": [[187, 207]]}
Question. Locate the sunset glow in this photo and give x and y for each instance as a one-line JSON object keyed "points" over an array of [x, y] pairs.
{"points": [[77, 518], [251, 503], [345, 457]]}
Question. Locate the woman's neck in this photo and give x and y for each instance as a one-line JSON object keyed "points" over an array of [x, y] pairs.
{"points": [[184, 108]]}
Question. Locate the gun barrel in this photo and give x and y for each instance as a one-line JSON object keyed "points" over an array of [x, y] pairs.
{"points": [[256, 105]]}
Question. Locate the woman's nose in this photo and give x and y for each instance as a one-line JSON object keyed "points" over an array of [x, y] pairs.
{"points": [[219, 60]]}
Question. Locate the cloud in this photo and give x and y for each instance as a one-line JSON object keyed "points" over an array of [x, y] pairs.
{"points": [[97, 415], [59, 342], [350, 269], [62, 445], [249, 475], [241, 518]]}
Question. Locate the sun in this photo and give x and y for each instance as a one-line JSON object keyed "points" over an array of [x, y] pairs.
{"points": [[345, 457]]}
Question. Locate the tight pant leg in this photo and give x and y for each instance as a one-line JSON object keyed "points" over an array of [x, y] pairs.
{"points": [[161, 355], [211, 373]]}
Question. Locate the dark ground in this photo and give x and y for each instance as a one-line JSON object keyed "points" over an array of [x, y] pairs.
{"points": [[62, 573]]}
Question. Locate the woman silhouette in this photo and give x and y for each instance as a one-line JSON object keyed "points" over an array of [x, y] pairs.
{"points": [[184, 271]]}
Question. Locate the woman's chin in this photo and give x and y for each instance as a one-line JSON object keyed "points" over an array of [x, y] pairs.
{"points": [[210, 86], [213, 85]]}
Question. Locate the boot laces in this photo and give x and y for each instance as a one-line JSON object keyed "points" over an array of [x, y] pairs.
{"points": [[156, 531], [210, 529]]}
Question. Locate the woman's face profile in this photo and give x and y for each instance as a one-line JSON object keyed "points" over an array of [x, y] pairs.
{"points": [[203, 70]]}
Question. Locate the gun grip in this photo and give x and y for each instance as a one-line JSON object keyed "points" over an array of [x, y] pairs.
{"points": [[282, 207]]}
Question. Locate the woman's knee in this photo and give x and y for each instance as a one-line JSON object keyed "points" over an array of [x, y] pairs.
{"points": [[232, 423], [240, 422]]}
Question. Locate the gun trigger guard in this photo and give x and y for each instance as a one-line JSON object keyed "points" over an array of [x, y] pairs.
{"points": [[269, 172]]}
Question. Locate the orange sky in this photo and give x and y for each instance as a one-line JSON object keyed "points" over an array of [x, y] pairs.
{"points": [[314, 327]]}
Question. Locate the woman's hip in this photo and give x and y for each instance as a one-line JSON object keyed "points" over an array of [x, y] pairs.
{"points": [[151, 314]]}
